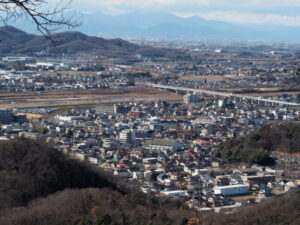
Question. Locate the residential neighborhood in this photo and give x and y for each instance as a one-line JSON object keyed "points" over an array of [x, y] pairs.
{"points": [[168, 149], [165, 142]]}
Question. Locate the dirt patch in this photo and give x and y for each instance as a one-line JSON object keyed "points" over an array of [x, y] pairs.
{"points": [[104, 92]]}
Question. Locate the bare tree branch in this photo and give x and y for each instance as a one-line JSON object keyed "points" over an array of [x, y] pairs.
{"points": [[47, 19]]}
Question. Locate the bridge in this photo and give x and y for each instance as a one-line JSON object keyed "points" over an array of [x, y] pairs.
{"points": [[224, 94]]}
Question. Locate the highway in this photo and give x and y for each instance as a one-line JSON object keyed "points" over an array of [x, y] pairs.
{"points": [[223, 94]]}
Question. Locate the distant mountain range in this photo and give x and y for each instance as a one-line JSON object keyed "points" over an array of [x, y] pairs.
{"points": [[14, 41], [163, 25]]}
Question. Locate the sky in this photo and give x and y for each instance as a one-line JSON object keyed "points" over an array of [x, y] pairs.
{"points": [[275, 12]]}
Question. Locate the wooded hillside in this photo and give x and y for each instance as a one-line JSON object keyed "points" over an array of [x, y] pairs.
{"points": [[40, 185], [255, 147]]}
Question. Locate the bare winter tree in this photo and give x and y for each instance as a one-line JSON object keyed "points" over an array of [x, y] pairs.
{"points": [[46, 18]]}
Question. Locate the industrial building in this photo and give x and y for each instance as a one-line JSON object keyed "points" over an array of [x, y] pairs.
{"points": [[231, 190]]}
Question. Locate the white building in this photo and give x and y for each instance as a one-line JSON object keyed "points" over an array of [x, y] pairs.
{"points": [[175, 193], [17, 59], [230, 190], [163, 145], [191, 98], [126, 136]]}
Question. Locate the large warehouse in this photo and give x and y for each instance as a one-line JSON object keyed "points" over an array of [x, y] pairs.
{"points": [[231, 190]]}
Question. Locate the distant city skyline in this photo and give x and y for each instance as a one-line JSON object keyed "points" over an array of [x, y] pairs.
{"points": [[272, 12]]}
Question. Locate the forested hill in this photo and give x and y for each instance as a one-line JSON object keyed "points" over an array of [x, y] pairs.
{"points": [[255, 147], [280, 210], [15, 41], [40, 185]]}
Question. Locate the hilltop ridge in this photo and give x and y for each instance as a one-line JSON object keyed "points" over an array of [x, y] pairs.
{"points": [[16, 41]]}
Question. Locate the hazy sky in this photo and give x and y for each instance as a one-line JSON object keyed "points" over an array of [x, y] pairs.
{"points": [[280, 12]]}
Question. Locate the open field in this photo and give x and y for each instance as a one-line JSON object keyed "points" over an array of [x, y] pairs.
{"points": [[84, 101], [31, 116], [79, 97], [104, 92]]}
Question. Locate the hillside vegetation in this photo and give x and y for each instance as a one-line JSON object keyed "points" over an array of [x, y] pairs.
{"points": [[31, 169], [282, 210], [15, 41], [255, 147], [40, 185]]}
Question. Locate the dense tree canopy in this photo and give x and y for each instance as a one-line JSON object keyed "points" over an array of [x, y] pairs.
{"points": [[255, 147], [43, 186], [30, 169]]}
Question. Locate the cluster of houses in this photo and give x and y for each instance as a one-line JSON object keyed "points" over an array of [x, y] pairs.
{"points": [[168, 149], [21, 81]]}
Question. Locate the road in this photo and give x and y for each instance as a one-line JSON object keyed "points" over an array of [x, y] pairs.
{"points": [[223, 94]]}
